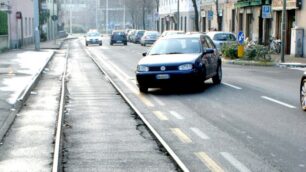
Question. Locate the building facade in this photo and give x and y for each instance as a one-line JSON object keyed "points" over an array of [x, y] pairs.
{"points": [[174, 15], [20, 22]]}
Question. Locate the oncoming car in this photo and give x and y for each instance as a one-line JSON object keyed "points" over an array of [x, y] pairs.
{"points": [[93, 38], [179, 59]]}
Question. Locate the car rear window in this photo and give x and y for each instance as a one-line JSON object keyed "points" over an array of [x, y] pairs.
{"points": [[177, 46], [224, 37]]}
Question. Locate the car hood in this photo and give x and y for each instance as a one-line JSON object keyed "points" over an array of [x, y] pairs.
{"points": [[168, 59]]}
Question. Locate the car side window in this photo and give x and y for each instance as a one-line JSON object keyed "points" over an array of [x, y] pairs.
{"points": [[209, 42], [204, 43]]}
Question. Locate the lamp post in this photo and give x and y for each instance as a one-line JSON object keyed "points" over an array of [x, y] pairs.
{"points": [[178, 14], [283, 31]]}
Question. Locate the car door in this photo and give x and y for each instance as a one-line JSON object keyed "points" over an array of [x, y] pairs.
{"points": [[206, 57], [213, 57]]}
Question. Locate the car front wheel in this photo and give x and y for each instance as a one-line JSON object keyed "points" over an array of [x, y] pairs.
{"points": [[218, 77], [303, 94]]}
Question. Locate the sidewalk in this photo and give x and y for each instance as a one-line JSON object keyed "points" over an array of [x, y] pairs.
{"points": [[19, 71], [290, 61]]}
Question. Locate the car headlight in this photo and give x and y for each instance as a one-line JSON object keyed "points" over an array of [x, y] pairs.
{"points": [[185, 67], [142, 68]]}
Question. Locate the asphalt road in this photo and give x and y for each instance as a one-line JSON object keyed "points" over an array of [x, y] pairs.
{"points": [[250, 122]]}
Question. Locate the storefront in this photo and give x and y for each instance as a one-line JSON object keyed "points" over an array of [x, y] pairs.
{"points": [[292, 6]]}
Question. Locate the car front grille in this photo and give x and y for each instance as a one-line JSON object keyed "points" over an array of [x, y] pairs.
{"points": [[167, 68]]}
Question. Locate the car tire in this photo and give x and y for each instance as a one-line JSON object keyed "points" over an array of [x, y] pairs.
{"points": [[125, 43], [303, 94], [111, 44], [144, 44], [86, 45], [218, 77], [143, 89], [100, 44]]}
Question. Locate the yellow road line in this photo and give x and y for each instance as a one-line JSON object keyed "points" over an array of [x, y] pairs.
{"points": [[211, 164], [181, 135], [160, 115], [146, 101]]}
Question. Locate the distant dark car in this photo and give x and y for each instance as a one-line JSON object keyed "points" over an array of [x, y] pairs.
{"points": [[118, 37], [179, 59], [93, 37], [303, 92]]}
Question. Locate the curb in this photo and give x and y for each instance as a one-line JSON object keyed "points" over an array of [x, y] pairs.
{"points": [[248, 63], [292, 65], [17, 106]]}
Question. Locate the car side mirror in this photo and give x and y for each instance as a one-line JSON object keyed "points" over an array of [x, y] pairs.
{"points": [[144, 54], [209, 51]]}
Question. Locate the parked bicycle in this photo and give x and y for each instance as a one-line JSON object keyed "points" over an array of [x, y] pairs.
{"points": [[275, 45]]}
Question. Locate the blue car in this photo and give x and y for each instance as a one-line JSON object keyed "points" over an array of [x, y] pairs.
{"points": [[179, 59]]}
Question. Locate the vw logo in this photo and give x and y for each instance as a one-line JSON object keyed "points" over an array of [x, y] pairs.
{"points": [[163, 68]]}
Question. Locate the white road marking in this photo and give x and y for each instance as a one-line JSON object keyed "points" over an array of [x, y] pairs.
{"points": [[158, 101], [237, 164], [176, 115], [278, 102], [233, 86], [199, 133]]}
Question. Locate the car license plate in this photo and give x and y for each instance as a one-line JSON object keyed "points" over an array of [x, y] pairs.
{"points": [[119, 41], [163, 76]]}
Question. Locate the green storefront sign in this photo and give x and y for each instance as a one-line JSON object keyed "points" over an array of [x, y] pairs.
{"points": [[250, 3], [3, 23]]}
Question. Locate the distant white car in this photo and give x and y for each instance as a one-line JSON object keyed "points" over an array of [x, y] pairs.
{"points": [[222, 38], [93, 38], [149, 37]]}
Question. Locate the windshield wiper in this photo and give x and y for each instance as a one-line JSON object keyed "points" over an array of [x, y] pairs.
{"points": [[175, 53]]}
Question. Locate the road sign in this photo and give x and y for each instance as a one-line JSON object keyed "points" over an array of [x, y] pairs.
{"points": [[240, 37], [266, 12], [210, 15]]}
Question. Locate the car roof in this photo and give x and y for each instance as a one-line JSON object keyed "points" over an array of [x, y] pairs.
{"points": [[216, 32], [183, 36]]}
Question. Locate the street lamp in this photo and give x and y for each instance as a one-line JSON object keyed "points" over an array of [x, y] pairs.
{"points": [[8, 11]]}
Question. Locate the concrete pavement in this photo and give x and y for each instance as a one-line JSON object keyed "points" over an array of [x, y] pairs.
{"points": [[19, 71]]}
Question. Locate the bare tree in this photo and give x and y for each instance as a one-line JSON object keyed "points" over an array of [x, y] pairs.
{"points": [[157, 10], [196, 14]]}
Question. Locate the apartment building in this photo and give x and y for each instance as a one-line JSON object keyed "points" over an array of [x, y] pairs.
{"points": [[177, 14]]}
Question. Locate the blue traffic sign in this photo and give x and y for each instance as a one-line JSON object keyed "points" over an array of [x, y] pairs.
{"points": [[266, 11], [240, 37], [210, 15]]}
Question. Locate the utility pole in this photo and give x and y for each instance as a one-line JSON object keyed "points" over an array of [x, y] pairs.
{"points": [[97, 14], [283, 32], [70, 15], [106, 11], [124, 15], [178, 15], [36, 25]]}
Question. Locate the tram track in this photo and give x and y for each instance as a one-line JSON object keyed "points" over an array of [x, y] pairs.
{"points": [[58, 149]]}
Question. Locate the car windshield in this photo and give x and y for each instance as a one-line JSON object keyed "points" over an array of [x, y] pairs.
{"points": [[93, 34], [176, 46], [224, 37]]}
